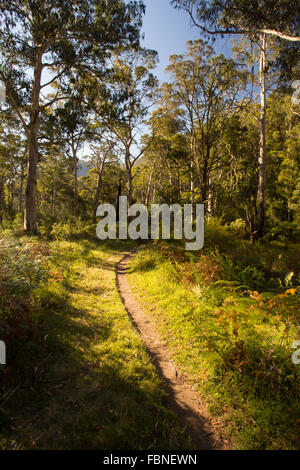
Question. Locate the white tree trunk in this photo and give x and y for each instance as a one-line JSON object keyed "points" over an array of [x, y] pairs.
{"points": [[262, 146]]}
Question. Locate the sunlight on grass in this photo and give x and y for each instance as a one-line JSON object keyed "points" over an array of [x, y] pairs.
{"points": [[232, 343], [97, 388]]}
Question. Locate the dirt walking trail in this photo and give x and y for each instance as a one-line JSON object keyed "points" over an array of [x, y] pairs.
{"points": [[186, 403]]}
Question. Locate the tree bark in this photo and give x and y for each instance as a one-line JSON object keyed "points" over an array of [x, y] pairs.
{"points": [[2, 198], [205, 172], [12, 196], [118, 200], [154, 194], [53, 198], [192, 191], [147, 198], [75, 173], [20, 202], [30, 217], [170, 186], [210, 205], [129, 175], [262, 145], [98, 188], [130, 188]]}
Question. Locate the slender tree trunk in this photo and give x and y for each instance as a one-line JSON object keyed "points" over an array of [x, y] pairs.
{"points": [[12, 196], [250, 219], [192, 191], [210, 205], [192, 181], [179, 186], [30, 217], [20, 202], [130, 188], [147, 198], [170, 186], [215, 204], [154, 194], [205, 175], [118, 200], [75, 173], [96, 198], [53, 197], [262, 145], [2, 198], [98, 188], [129, 175]]}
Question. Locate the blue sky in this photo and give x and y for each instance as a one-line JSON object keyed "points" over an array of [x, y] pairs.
{"points": [[167, 30]]}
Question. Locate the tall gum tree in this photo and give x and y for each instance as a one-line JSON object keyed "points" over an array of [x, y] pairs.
{"points": [[259, 55], [126, 114], [43, 40], [206, 88], [257, 19]]}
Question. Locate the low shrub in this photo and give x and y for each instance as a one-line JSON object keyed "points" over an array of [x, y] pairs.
{"points": [[145, 261], [284, 231], [50, 296], [73, 229]]}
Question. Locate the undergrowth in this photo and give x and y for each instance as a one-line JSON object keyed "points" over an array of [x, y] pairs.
{"points": [[230, 314], [77, 373]]}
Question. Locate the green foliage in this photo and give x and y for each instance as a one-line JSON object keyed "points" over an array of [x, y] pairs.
{"points": [[238, 227], [218, 234], [145, 262], [229, 312], [221, 16], [78, 374], [249, 277], [71, 230], [50, 296], [22, 266], [239, 340], [285, 231]]}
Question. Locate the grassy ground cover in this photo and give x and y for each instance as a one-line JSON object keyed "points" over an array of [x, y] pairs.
{"points": [[77, 374], [230, 315]]}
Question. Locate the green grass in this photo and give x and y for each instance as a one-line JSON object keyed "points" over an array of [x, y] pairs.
{"points": [[78, 375], [232, 342]]}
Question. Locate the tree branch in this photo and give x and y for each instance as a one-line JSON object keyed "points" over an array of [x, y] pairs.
{"points": [[273, 32]]}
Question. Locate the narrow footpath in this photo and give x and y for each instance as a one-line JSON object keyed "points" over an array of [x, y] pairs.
{"points": [[186, 402]]}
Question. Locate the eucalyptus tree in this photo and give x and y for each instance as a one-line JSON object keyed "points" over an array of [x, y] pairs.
{"points": [[44, 40], [206, 88], [236, 181], [12, 150], [164, 170], [262, 79], [55, 184], [283, 142], [279, 18], [256, 19], [125, 108], [102, 154], [73, 131]]}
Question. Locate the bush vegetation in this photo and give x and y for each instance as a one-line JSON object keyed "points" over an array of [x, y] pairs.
{"points": [[230, 314], [77, 374]]}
